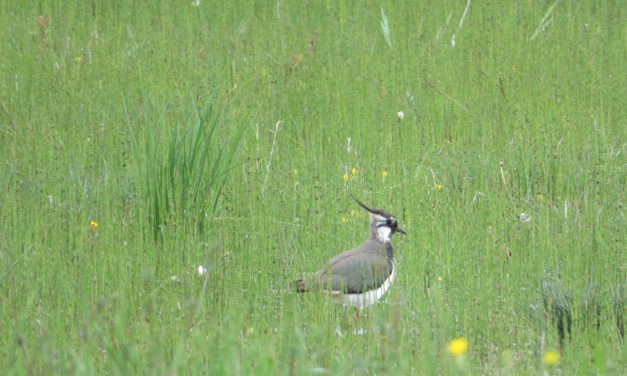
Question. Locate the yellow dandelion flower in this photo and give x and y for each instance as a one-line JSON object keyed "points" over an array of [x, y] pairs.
{"points": [[440, 279], [540, 198], [78, 59], [458, 347], [439, 187], [355, 171], [344, 220], [551, 358], [93, 225], [346, 178], [384, 173], [354, 213]]}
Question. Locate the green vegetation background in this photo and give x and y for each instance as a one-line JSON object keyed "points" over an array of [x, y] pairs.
{"points": [[139, 140]]}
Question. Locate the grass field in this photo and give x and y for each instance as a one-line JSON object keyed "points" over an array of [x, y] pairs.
{"points": [[141, 140]]}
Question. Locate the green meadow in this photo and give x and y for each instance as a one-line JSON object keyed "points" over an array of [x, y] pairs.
{"points": [[140, 141]]}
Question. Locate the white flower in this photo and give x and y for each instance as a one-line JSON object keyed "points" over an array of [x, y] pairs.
{"points": [[175, 279], [524, 218], [400, 115], [201, 270]]}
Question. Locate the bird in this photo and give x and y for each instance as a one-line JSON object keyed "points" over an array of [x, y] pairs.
{"points": [[361, 276]]}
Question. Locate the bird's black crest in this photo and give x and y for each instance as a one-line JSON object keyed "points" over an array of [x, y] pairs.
{"points": [[374, 211]]}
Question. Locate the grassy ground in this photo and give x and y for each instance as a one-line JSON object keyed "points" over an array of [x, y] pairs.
{"points": [[139, 141]]}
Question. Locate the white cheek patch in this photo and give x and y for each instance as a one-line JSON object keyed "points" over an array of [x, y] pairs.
{"points": [[383, 233]]}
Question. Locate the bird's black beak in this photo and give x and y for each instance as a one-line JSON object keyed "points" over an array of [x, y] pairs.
{"points": [[398, 229]]}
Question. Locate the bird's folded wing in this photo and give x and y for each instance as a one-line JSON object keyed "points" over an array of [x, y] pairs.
{"points": [[352, 274]]}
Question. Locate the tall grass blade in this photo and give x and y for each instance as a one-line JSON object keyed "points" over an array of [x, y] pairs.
{"points": [[185, 167]]}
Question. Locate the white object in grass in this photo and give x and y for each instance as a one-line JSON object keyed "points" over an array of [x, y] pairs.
{"points": [[400, 115], [201, 270]]}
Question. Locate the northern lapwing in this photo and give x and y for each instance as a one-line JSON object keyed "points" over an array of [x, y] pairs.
{"points": [[361, 276]]}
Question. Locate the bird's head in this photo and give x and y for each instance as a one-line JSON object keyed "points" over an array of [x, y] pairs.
{"points": [[382, 224]]}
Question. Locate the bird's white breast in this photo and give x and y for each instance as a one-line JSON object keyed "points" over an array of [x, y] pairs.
{"points": [[370, 297]]}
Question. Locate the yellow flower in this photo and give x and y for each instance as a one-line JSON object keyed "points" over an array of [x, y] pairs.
{"points": [[93, 225], [439, 187], [551, 358], [440, 279], [540, 198], [78, 59], [355, 171], [344, 220], [354, 213], [384, 173], [458, 347], [346, 178]]}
